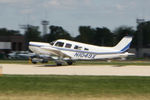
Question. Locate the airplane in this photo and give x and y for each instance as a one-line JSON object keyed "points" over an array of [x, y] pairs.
{"points": [[66, 51]]}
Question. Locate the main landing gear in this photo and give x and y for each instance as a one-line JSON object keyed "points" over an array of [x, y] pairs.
{"points": [[69, 62], [58, 62], [36, 60], [61, 62]]}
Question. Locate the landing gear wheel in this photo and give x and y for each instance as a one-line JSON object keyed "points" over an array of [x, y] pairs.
{"points": [[69, 63], [59, 64], [34, 62]]}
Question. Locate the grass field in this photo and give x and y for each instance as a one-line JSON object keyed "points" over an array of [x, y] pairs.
{"points": [[74, 88], [113, 62]]}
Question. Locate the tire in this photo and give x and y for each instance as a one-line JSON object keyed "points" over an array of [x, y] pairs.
{"points": [[34, 62], [69, 63], [59, 64]]}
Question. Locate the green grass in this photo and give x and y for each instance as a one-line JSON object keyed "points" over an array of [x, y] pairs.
{"points": [[14, 61], [90, 85], [18, 62], [74, 87], [113, 62]]}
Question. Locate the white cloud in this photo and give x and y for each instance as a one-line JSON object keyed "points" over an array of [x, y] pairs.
{"points": [[8, 1], [88, 2], [127, 5], [21, 6], [52, 3], [58, 3], [120, 7], [26, 11], [16, 1], [66, 3]]}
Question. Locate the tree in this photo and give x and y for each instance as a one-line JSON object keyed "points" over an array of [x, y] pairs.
{"points": [[95, 36], [57, 32], [103, 37], [6, 32], [122, 31], [32, 33], [86, 34]]}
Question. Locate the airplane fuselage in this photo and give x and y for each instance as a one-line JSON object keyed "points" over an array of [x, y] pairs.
{"points": [[66, 49]]}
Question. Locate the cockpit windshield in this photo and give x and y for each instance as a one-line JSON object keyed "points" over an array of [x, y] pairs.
{"points": [[52, 43], [59, 44]]}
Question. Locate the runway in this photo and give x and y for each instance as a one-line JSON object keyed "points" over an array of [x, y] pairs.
{"points": [[91, 70]]}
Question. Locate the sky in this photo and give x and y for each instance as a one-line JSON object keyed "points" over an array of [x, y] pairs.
{"points": [[70, 14]]}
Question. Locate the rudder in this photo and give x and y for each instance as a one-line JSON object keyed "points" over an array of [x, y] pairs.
{"points": [[124, 44]]}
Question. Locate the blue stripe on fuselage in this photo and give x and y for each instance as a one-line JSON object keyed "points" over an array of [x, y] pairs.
{"points": [[87, 51]]}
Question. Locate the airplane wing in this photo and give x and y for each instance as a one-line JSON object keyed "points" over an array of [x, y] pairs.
{"points": [[55, 51]]}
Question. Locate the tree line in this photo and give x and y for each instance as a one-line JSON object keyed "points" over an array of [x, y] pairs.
{"points": [[97, 36]]}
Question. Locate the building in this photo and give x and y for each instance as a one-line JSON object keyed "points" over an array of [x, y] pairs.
{"points": [[12, 43]]}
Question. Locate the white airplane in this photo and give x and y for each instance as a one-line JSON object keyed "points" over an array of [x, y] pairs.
{"points": [[66, 51]]}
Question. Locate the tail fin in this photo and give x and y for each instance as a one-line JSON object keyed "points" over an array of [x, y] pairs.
{"points": [[124, 44]]}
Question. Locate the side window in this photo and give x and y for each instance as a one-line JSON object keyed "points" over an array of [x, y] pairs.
{"points": [[78, 47], [68, 45], [59, 44], [86, 49]]}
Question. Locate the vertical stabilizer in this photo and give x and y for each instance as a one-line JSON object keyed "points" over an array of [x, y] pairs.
{"points": [[124, 44]]}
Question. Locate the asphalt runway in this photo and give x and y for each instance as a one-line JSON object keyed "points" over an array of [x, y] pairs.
{"points": [[92, 70]]}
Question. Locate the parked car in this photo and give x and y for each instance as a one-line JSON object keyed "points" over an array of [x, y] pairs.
{"points": [[20, 55]]}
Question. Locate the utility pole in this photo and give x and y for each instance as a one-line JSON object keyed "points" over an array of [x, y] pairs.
{"points": [[25, 28]]}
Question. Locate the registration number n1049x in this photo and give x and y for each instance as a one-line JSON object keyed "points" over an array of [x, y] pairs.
{"points": [[84, 55]]}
